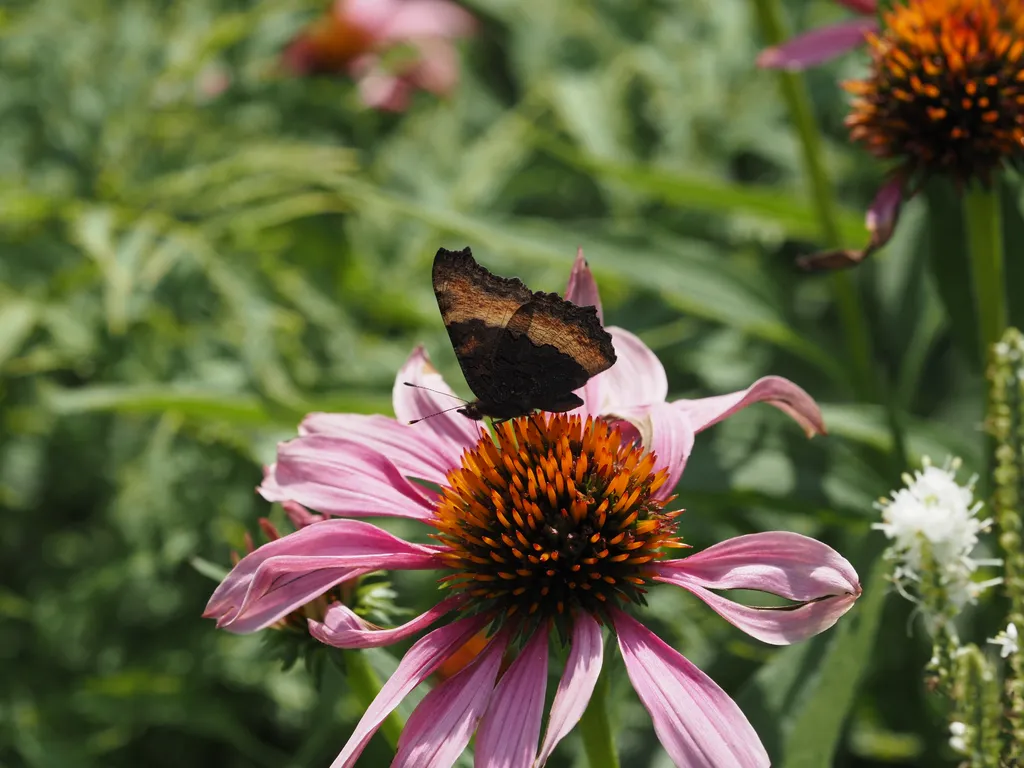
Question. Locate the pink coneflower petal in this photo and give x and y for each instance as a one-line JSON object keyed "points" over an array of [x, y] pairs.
{"points": [[339, 477], [411, 403], [637, 378], [437, 70], [379, 89], [865, 7], [582, 669], [775, 390], [665, 432], [428, 18], [416, 453], [443, 723], [582, 288], [343, 628], [786, 564], [510, 728], [286, 573], [420, 661], [695, 720], [817, 46]]}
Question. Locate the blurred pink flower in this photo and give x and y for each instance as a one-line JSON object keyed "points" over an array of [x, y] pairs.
{"points": [[824, 43], [391, 47], [558, 522]]}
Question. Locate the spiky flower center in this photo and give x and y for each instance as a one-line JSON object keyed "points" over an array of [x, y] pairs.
{"points": [[946, 88], [551, 517]]}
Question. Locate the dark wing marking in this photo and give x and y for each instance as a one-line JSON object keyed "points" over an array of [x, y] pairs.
{"points": [[550, 348], [475, 306]]}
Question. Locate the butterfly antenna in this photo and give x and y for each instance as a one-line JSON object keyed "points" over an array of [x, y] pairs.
{"points": [[432, 415], [436, 392]]}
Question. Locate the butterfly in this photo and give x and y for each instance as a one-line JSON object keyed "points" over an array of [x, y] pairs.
{"points": [[520, 350]]}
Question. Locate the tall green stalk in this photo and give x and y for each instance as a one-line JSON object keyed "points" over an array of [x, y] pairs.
{"points": [[985, 243], [366, 685], [596, 728], [851, 314], [852, 317]]}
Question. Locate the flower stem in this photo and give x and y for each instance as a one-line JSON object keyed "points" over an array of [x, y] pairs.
{"points": [[596, 730], [366, 685], [985, 239], [852, 318]]}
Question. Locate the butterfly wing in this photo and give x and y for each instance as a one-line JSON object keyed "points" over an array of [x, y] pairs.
{"points": [[550, 348], [475, 306]]}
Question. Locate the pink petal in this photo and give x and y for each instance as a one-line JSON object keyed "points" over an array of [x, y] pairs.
{"points": [[884, 211], [444, 721], [286, 573], [866, 7], [343, 628], [786, 564], [437, 70], [508, 733], [582, 669], [416, 453], [818, 45], [417, 19], [637, 378], [695, 720], [370, 15], [412, 403], [775, 390], [880, 220], [420, 661], [666, 432], [343, 478], [582, 288], [381, 90]]}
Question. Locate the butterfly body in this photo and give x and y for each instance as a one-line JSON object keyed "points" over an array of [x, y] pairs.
{"points": [[519, 350]]}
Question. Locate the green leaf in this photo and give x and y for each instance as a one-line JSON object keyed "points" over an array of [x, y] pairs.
{"points": [[710, 194], [194, 402], [17, 320], [1013, 235]]}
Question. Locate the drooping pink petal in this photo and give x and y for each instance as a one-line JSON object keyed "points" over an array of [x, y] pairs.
{"points": [[865, 7], [343, 478], [417, 19], [637, 378], [286, 573], [695, 720], [796, 567], [582, 669], [510, 728], [817, 46], [343, 628], [880, 221], [443, 723], [582, 288], [372, 16], [413, 403], [775, 390], [419, 662], [415, 452]]}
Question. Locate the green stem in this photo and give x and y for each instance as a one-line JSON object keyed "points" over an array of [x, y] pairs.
{"points": [[985, 238], [366, 685], [852, 317], [596, 730]]}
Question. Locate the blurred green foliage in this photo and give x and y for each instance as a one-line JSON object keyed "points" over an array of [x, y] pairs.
{"points": [[187, 270]]}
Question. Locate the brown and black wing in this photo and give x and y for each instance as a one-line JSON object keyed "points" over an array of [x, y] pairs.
{"points": [[475, 307], [550, 348]]}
